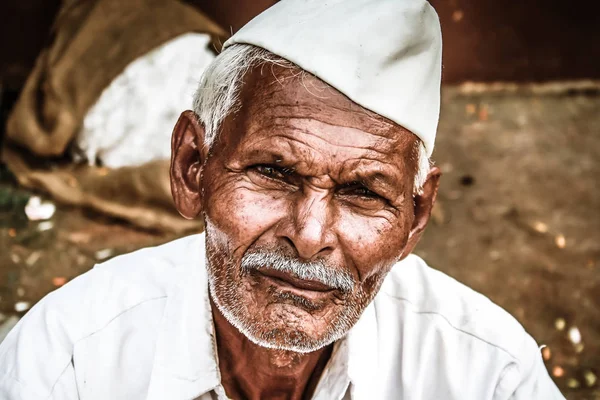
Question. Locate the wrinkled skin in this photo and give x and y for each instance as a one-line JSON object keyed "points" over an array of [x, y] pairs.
{"points": [[302, 170]]}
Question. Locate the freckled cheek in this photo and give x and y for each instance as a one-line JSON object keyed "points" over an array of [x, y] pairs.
{"points": [[371, 243], [244, 214]]}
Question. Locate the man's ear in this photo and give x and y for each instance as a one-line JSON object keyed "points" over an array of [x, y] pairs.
{"points": [[423, 206], [188, 155]]}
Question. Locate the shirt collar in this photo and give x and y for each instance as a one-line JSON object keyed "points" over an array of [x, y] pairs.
{"points": [[185, 362], [363, 354], [334, 380]]}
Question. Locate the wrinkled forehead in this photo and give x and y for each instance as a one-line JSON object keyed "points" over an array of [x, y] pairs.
{"points": [[296, 92], [293, 119]]}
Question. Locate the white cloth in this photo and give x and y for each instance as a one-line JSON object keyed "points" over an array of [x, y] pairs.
{"points": [[132, 121], [140, 327], [385, 55]]}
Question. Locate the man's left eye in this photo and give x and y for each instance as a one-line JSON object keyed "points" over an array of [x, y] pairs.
{"points": [[364, 192], [361, 192]]}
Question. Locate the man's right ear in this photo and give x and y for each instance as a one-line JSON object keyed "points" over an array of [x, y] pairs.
{"points": [[188, 155]]}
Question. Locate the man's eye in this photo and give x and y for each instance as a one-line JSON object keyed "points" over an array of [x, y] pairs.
{"points": [[273, 172], [366, 193], [361, 192]]}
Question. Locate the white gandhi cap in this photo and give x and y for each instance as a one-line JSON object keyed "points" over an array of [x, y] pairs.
{"points": [[382, 54]]}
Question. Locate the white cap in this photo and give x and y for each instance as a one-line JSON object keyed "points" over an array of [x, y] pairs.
{"points": [[383, 54]]}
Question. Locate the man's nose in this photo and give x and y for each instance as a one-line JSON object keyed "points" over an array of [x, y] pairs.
{"points": [[310, 226]]}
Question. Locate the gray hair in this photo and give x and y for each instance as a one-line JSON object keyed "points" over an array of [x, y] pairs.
{"points": [[317, 270], [218, 93]]}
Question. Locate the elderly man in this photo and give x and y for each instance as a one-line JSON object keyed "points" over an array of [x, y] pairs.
{"points": [[307, 155]]}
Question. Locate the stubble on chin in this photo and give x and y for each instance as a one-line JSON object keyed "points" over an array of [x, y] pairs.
{"points": [[273, 318]]}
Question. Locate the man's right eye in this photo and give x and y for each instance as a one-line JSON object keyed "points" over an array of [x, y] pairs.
{"points": [[269, 171], [274, 171]]}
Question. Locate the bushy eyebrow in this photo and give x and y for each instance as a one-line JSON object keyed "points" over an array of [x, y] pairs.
{"points": [[374, 174], [376, 181]]}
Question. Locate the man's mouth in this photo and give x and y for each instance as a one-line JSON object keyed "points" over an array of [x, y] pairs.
{"points": [[286, 279]]}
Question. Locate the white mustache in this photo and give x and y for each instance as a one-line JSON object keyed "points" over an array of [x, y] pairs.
{"points": [[312, 270]]}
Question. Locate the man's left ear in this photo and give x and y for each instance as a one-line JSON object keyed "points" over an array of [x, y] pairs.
{"points": [[188, 155], [423, 206]]}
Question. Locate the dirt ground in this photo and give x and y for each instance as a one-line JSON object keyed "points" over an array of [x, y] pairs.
{"points": [[517, 219]]}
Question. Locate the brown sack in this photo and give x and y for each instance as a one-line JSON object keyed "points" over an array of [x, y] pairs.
{"points": [[93, 41]]}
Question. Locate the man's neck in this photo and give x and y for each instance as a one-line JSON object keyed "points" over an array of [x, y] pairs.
{"points": [[249, 371]]}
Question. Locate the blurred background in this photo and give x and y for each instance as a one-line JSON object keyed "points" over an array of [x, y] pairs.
{"points": [[83, 180]]}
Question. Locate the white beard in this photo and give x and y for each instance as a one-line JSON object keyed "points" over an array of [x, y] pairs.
{"points": [[281, 332]]}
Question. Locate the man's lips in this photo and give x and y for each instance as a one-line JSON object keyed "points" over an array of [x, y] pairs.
{"points": [[303, 284]]}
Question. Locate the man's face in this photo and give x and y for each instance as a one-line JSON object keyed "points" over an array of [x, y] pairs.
{"points": [[308, 203]]}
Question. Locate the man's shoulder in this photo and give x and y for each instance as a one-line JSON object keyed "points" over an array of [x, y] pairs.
{"points": [[93, 317], [441, 339], [151, 271], [144, 275], [118, 287], [451, 307]]}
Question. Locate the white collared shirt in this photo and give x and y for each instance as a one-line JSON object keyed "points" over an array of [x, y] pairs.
{"points": [[140, 327]]}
